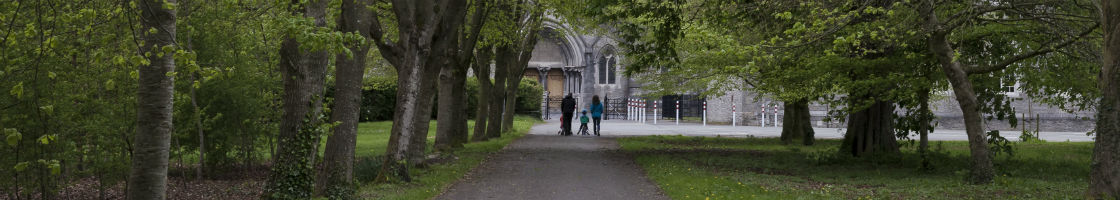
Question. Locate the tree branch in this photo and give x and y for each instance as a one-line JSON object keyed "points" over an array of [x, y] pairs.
{"points": [[1004, 64]]}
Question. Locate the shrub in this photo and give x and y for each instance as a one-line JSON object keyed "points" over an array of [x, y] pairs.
{"points": [[379, 98]]}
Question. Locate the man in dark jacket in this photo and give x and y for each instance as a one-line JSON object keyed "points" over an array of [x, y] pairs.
{"points": [[568, 108]]}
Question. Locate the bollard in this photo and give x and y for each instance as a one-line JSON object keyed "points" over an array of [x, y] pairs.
{"points": [[763, 113], [704, 118], [629, 109], [655, 112], [775, 115], [643, 112], [733, 117], [678, 112]]}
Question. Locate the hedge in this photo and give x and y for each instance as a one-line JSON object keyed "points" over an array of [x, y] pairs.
{"points": [[379, 96]]}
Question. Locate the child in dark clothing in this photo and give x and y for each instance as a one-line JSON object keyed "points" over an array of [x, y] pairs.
{"points": [[583, 124]]}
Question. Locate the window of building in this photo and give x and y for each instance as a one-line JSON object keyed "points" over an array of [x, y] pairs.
{"points": [[603, 70], [611, 70]]}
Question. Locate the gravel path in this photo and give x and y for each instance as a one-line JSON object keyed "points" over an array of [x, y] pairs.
{"points": [[543, 165]]}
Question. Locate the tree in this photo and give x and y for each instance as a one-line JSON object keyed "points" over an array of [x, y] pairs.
{"points": [[482, 69], [303, 68], [958, 71], [1104, 175], [515, 25], [518, 59], [148, 178], [798, 124], [425, 31], [452, 133], [337, 175]]}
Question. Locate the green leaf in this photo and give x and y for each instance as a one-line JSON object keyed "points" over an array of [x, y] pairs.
{"points": [[13, 136], [21, 166], [52, 75], [17, 90], [55, 167], [46, 139], [49, 109]]}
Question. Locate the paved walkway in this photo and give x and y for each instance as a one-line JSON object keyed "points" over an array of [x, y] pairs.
{"points": [[632, 128], [543, 165]]}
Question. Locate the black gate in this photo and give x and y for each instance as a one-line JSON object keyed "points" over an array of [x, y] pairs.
{"points": [[615, 108], [691, 106], [552, 106]]}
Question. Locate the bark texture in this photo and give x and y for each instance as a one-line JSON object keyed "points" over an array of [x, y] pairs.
{"points": [[871, 131], [1104, 174], [148, 178], [519, 61], [498, 94], [482, 70], [303, 73], [982, 169], [425, 30], [798, 123], [337, 175], [924, 127], [452, 130]]}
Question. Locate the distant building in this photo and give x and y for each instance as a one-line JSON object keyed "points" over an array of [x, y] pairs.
{"points": [[565, 61]]}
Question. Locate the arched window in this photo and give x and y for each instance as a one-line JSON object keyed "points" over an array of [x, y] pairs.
{"points": [[603, 70], [610, 69]]}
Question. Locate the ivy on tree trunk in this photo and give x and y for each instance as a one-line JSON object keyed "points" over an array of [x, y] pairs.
{"points": [[1104, 174]]}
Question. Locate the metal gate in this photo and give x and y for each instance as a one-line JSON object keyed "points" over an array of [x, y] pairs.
{"points": [[552, 106], [691, 106], [615, 108]]}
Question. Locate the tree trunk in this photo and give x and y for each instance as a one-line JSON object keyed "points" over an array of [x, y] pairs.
{"points": [[425, 34], [513, 83], [1104, 174], [498, 93], [924, 128], [871, 130], [512, 86], [482, 70], [337, 177], [982, 169], [201, 134], [452, 129], [148, 177], [798, 122], [303, 73]]}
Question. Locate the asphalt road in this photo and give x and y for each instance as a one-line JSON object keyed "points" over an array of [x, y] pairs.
{"points": [[543, 165]]}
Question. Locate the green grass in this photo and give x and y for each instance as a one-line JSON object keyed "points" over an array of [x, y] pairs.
{"points": [[763, 168], [429, 182]]}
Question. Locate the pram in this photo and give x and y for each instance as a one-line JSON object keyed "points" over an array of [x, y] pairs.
{"points": [[561, 132]]}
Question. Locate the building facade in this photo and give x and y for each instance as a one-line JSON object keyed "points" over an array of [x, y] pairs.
{"points": [[566, 62]]}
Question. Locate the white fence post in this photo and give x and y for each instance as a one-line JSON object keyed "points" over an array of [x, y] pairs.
{"points": [[763, 113], [776, 115], [733, 117], [629, 109], [655, 112], [678, 112], [705, 117], [643, 111]]}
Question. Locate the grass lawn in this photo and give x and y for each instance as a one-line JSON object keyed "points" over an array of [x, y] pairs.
{"points": [[427, 183], [763, 168]]}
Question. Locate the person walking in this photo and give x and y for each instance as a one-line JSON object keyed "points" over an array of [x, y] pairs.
{"points": [[568, 108], [596, 112]]}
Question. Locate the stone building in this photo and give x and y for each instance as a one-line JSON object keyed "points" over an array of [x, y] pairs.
{"points": [[565, 61]]}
